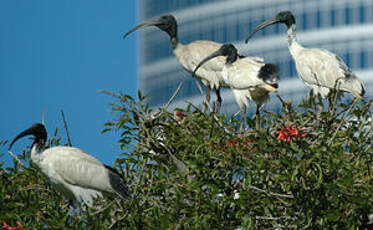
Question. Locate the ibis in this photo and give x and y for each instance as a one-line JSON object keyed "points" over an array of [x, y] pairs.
{"points": [[77, 175], [320, 69], [249, 77], [191, 54]]}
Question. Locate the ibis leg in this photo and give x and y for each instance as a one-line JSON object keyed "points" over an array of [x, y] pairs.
{"points": [[332, 97], [284, 104], [218, 99], [257, 118], [320, 107], [208, 94], [243, 113]]}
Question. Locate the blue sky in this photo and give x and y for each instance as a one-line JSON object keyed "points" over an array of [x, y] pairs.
{"points": [[55, 55]]}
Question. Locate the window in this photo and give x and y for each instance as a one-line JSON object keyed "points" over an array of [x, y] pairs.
{"points": [[347, 16], [318, 19], [304, 21], [157, 7], [236, 25], [362, 16], [347, 59], [332, 17]]}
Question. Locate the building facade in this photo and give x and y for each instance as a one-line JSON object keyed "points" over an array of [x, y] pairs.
{"points": [[344, 27]]}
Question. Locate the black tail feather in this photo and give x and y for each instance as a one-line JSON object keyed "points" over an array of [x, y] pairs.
{"points": [[117, 183]]}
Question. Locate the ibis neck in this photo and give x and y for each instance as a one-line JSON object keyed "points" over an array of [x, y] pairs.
{"points": [[294, 46], [231, 58], [36, 151], [174, 42], [292, 37]]}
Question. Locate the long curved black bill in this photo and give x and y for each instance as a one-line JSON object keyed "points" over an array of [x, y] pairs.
{"points": [[146, 24], [269, 22], [27, 132], [211, 56]]}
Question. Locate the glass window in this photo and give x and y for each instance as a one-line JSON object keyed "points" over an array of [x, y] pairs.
{"points": [[340, 16], [362, 60], [304, 21], [157, 7], [332, 17], [362, 16], [157, 47], [347, 58], [318, 19], [347, 15]]}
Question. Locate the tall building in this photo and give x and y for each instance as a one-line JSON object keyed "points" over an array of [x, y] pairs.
{"points": [[344, 27]]}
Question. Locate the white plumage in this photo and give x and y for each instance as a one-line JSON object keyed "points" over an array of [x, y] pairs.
{"points": [[249, 77], [75, 174], [320, 69], [244, 73], [191, 54]]}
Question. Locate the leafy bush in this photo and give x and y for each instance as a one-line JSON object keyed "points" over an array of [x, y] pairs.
{"points": [[193, 170]]}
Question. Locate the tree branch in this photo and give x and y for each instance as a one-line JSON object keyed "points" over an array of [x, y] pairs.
{"points": [[271, 193], [65, 125], [16, 158], [174, 95], [342, 121]]}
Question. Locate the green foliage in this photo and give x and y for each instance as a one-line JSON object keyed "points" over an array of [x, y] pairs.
{"points": [[192, 170]]}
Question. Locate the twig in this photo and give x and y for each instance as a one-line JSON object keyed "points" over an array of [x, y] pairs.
{"points": [[179, 164], [275, 218], [109, 93], [271, 193], [236, 114], [65, 125], [214, 116], [342, 121], [43, 117], [15, 157], [174, 95], [121, 170], [339, 113], [306, 122], [32, 187], [284, 104], [120, 219], [308, 224], [156, 114], [203, 95], [335, 91], [208, 105], [104, 208]]}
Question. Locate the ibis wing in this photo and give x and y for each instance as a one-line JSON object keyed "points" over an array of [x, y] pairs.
{"points": [[78, 168], [190, 55], [349, 82], [199, 50], [243, 74], [85, 195], [320, 69]]}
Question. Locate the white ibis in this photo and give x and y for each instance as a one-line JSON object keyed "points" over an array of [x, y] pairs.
{"points": [[75, 174], [320, 69], [249, 77], [191, 54]]}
